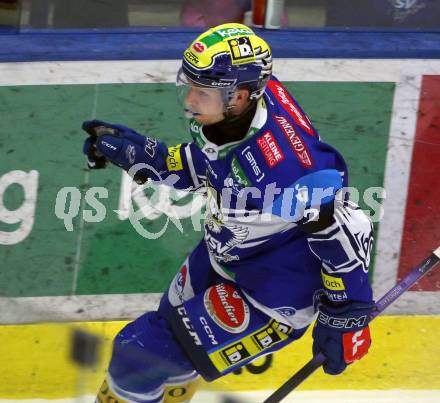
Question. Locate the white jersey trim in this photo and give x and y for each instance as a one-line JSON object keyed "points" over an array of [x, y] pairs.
{"points": [[182, 379], [301, 319], [192, 170]]}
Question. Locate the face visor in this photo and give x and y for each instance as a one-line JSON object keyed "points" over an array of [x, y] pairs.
{"points": [[200, 99]]}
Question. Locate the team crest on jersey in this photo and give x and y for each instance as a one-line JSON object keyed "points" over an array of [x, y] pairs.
{"points": [[227, 308], [220, 237]]}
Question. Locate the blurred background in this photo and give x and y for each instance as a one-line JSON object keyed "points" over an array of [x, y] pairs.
{"points": [[59, 14]]}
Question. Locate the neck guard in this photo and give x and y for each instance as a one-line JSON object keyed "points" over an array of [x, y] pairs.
{"points": [[231, 128]]}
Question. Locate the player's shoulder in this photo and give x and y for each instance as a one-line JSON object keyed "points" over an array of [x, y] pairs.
{"points": [[286, 147], [281, 102], [267, 160], [293, 130]]}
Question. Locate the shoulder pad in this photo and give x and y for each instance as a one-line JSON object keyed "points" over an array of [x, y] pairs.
{"points": [[308, 192]]}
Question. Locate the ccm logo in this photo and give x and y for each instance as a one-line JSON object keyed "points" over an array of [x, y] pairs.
{"points": [[108, 145], [208, 330], [187, 323], [342, 323]]}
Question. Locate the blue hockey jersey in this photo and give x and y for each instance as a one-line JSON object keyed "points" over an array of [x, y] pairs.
{"points": [[261, 193], [279, 232]]}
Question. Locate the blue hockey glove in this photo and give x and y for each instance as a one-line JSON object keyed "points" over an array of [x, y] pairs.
{"points": [[341, 333], [123, 147], [95, 160]]}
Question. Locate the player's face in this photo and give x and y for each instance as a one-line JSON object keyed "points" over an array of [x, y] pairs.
{"points": [[206, 104]]}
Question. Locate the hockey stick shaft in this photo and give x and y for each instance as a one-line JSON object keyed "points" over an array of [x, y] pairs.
{"points": [[415, 275]]}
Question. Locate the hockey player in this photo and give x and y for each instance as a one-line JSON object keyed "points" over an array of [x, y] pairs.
{"points": [[282, 244]]}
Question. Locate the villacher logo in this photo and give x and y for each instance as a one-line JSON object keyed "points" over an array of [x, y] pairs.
{"points": [[227, 308]]}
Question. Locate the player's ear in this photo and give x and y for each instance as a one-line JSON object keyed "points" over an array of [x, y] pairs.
{"points": [[243, 93], [241, 97]]}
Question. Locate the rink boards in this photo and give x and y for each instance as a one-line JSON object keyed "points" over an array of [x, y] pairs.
{"points": [[405, 355], [366, 108]]}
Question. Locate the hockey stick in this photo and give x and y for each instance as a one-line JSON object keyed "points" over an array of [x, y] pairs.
{"points": [[415, 275]]}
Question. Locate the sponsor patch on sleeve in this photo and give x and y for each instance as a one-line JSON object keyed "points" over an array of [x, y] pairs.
{"points": [[238, 173], [291, 107], [174, 159], [296, 143], [270, 148], [332, 283]]}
